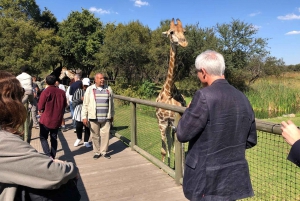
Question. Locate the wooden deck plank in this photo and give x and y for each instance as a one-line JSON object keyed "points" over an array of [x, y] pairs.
{"points": [[126, 176]]}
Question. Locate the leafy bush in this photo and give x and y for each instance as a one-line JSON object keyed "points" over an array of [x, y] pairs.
{"points": [[147, 90]]}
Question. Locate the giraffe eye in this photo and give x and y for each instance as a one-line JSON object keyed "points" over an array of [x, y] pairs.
{"points": [[171, 32]]}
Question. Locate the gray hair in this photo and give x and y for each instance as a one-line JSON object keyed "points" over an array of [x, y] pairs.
{"points": [[77, 76], [212, 61]]}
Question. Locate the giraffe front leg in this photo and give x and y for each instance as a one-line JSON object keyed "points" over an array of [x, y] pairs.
{"points": [[169, 139], [163, 151]]}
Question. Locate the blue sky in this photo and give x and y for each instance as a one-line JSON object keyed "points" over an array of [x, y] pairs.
{"points": [[278, 20]]}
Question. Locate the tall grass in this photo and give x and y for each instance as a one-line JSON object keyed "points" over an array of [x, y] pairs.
{"points": [[275, 95]]}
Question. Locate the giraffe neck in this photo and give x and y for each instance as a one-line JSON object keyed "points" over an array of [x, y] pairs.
{"points": [[169, 83]]}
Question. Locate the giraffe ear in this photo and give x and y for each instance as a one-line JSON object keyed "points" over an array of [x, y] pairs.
{"points": [[179, 22]]}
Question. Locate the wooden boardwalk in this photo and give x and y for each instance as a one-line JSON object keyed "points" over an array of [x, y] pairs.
{"points": [[126, 176]]}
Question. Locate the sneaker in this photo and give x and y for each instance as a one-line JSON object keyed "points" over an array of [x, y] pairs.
{"points": [[87, 144], [75, 131], [107, 156], [77, 142], [96, 156]]}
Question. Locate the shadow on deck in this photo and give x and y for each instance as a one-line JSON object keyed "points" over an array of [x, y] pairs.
{"points": [[126, 176]]}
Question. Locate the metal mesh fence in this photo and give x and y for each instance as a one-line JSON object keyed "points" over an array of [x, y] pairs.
{"points": [[148, 134], [273, 176], [122, 120]]}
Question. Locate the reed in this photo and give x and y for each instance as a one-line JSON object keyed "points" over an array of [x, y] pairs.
{"points": [[276, 95]]}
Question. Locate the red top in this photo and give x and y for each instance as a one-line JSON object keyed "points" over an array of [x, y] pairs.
{"points": [[52, 104]]}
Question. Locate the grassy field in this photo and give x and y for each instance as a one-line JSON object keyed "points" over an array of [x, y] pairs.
{"points": [[275, 96]]}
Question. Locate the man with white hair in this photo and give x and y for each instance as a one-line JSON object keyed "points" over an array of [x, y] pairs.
{"points": [[219, 125]]}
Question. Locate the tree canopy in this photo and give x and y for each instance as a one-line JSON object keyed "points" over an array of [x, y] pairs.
{"points": [[129, 51]]}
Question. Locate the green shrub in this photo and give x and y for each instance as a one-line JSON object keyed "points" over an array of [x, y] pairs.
{"points": [[147, 90]]}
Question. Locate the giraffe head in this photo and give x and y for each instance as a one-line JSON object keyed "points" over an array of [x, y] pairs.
{"points": [[176, 33], [63, 73]]}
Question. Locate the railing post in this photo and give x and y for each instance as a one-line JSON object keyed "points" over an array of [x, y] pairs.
{"points": [[178, 153], [133, 125]]}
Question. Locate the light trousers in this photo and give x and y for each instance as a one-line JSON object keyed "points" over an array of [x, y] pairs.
{"points": [[100, 136]]}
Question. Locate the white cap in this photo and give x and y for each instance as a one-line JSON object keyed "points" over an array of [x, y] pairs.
{"points": [[86, 81]]}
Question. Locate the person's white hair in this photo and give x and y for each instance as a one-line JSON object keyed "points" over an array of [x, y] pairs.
{"points": [[77, 76], [212, 61]]}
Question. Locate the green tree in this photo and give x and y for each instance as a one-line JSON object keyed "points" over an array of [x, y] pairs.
{"points": [[17, 40], [48, 20], [126, 50], [20, 9], [200, 39], [254, 69], [159, 53], [82, 37], [45, 54], [273, 66], [238, 45]]}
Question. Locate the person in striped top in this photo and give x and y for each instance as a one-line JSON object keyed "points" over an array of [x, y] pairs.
{"points": [[98, 113], [77, 101]]}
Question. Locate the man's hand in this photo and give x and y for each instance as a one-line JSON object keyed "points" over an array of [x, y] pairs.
{"points": [[290, 132], [85, 122]]}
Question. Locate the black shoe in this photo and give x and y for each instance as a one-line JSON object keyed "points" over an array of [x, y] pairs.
{"points": [[107, 156], [96, 156]]}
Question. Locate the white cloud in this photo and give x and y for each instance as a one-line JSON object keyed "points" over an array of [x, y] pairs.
{"points": [[254, 14], [99, 10], [289, 17], [292, 33], [256, 27], [140, 3]]}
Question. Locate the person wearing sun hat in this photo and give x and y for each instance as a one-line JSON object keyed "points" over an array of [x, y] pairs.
{"points": [[77, 101]]}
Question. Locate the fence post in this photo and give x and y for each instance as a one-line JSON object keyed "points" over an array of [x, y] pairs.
{"points": [[178, 153], [133, 125]]}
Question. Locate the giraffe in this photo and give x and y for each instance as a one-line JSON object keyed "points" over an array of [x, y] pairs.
{"points": [[68, 73], [169, 93], [65, 72]]}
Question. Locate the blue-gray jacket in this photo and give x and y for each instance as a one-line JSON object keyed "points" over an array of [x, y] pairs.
{"points": [[219, 126]]}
